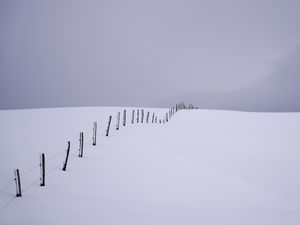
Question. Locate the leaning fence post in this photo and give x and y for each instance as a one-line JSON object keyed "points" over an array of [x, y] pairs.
{"points": [[118, 121], [94, 133], [167, 117], [42, 169], [124, 117], [108, 126], [81, 144], [132, 118], [18, 183], [67, 157], [142, 119], [147, 119], [152, 117]]}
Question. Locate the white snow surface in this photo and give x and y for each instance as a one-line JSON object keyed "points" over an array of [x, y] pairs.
{"points": [[203, 167]]}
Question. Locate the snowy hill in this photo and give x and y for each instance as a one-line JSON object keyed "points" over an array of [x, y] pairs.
{"points": [[202, 167]]}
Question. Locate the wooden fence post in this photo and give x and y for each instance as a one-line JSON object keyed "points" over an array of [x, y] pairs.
{"points": [[167, 117], [155, 119], [118, 121], [42, 169], [124, 117], [94, 133], [142, 119], [81, 144], [152, 117], [67, 157], [108, 126], [18, 183], [147, 119], [138, 116], [132, 118]]}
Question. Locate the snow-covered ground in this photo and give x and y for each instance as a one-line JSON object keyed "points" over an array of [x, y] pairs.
{"points": [[203, 167]]}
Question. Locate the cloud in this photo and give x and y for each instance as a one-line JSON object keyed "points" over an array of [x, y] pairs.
{"points": [[134, 53], [278, 92]]}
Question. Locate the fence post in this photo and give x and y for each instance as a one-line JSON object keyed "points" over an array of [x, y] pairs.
{"points": [[108, 126], [159, 120], [42, 169], [152, 117], [167, 117], [118, 121], [18, 183], [132, 118], [142, 119], [67, 157], [81, 144], [94, 133], [124, 117], [147, 119], [138, 116], [155, 119]]}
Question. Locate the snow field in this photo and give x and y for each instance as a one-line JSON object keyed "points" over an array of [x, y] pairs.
{"points": [[203, 167]]}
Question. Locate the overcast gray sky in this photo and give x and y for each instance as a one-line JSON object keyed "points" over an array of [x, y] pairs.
{"points": [[233, 54]]}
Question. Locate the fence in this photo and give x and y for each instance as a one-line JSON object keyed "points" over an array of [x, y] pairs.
{"points": [[138, 114]]}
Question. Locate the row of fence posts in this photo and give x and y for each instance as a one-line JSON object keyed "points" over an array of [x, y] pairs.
{"points": [[139, 119]]}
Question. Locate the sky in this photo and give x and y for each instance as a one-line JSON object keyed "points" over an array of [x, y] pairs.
{"points": [[220, 54]]}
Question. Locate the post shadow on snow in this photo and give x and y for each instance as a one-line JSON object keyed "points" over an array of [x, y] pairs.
{"points": [[278, 92]]}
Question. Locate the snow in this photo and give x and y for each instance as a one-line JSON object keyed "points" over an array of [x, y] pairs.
{"points": [[203, 167]]}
